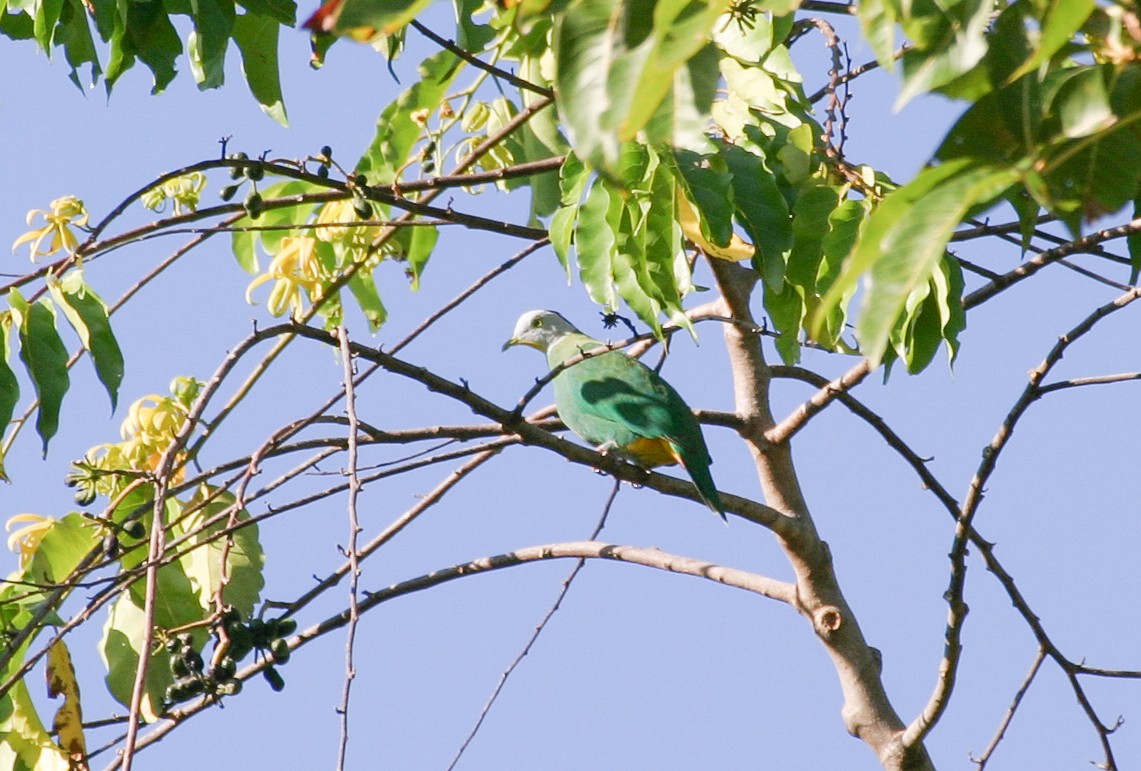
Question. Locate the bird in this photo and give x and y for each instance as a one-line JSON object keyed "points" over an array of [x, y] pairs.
{"points": [[618, 404]]}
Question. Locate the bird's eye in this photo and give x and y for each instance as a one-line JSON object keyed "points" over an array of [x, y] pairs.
{"points": [[537, 323]]}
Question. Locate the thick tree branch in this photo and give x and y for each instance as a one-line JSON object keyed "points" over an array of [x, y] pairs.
{"points": [[867, 712]]}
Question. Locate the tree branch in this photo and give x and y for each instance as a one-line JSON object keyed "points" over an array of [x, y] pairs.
{"points": [[645, 556]]}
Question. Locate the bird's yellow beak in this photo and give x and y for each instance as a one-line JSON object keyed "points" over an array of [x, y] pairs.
{"points": [[520, 341]]}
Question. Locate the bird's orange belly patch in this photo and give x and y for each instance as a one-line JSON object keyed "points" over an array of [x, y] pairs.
{"points": [[651, 452]]}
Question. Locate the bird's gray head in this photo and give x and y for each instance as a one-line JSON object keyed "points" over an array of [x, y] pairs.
{"points": [[539, 329]]}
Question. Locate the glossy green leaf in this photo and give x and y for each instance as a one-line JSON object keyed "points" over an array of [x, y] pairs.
{"points": [[87, 314], [27, 745], [363, 288], [616, 63], [385, 16], [256, 37], [9, 386], [950, 52], [762, 211], [208, 41], [120, 647], [282, 11], [45, 358], [709, 186], [74, 36], [208, 512], [1063, 19], [843, 230], [877, 21], [396, 131], [471, 35], [1079, 98], [47, 13], [573, 178], [595, 244], [905, 238], [150, 36]]}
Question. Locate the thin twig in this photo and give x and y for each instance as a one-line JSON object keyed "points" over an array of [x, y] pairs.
{"points": [[957, 609], [983, 759], [475, 61], [538, 630], [1085, 381], [354, 531]]}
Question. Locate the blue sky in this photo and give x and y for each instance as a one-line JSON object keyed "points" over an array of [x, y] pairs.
{"points": [[639, 669]]}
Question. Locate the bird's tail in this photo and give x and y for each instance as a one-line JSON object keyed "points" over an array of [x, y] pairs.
{"points": [[697, 465]]}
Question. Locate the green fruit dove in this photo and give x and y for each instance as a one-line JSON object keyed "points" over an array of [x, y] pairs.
{"points": [[618, 403]]}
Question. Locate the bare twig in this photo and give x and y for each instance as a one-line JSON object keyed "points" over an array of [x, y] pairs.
{"points": [[828, 392], [983, 759], [538, 630], [957, 608], [475, 61], [351, 548], [1036, 263]]}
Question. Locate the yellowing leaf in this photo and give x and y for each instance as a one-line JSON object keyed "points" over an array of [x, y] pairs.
{"points": [[737, 250], [68, 723]]}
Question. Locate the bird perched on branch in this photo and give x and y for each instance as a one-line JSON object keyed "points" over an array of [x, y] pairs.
{"points": [[618, 403]]}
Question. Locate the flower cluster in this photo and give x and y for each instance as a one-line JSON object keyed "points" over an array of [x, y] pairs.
{"points": [[65, 213], [184, 192], [150, 428]]}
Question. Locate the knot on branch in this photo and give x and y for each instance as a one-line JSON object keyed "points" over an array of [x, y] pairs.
{"points": [[826, 620]]}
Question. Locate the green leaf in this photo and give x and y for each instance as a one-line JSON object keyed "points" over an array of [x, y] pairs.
{"points": [[1063, 19], [87, 314], [151, 37], [9, 386], [420, 247], [363, 287], [573, 177], [762, 211], [66, 543], [47, 13], [595, 243], [120, 647], [27, 745], [616, 63], [877, 21], [256, 37], [396, 131], [45, 358], [208, 513], [709, 185], [206, 47], [385, 17], [843, 230], [1080, 99], [949, 53], [281, 11], [904, 240], [470, 35], [74, 35]]}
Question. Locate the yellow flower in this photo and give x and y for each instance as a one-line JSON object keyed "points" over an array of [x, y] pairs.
{"points": [[335, 213], [65, 213], [26, 540], [295, 267], [184, 191]]}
